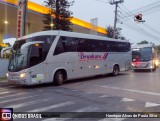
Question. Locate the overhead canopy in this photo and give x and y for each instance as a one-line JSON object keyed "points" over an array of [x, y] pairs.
{"points": [[8, 19]]}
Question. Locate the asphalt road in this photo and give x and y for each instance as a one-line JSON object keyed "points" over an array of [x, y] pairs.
{"points": [[128, 92]]}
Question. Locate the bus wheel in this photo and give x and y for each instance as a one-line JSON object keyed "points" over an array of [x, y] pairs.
{"points": [[115, 70], [59, 78]]}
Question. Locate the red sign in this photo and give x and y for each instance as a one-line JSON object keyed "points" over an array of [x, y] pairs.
{"points": [[21, 17], [19, 24]]}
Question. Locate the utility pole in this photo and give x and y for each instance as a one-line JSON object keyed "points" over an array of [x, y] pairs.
{"points": [[113, 2]]}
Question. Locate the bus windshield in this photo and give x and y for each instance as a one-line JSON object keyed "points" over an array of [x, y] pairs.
{"points": [[142, 54], [19, 60], [31, 55]]}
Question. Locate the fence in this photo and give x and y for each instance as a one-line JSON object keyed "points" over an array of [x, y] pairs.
{"points": [[3, 67]]}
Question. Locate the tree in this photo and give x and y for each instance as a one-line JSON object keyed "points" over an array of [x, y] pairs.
{"points": [[143, 42], [58, 17], [110, 30]]}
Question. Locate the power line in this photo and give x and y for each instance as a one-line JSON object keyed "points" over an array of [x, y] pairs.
{"points": [[125, 16], [145, 10], [142, 31], [151, 28], [139, 29], [102, 1]]}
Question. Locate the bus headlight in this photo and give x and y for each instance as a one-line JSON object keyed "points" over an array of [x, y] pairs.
{"points": [[157, 62], [133, 64], [22, 75], [7, 74]]}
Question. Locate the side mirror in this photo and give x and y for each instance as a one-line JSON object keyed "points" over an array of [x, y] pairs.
{"points": [[5, 49]]}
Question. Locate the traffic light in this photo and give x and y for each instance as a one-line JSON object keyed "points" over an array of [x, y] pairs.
{"points": [[138, 17]]}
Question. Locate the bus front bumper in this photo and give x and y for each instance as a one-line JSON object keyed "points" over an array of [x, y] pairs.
{"points": [[17, 78], [147, 67]]}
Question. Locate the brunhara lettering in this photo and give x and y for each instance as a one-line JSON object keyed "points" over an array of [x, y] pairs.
{"points": [[89, 56]]}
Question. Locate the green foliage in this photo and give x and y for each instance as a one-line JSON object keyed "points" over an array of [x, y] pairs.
{"points": [[110, 30], [143, 42], [58, 17]]}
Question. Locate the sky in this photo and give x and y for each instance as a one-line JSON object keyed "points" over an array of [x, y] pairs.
{"points": [[104, 11]]}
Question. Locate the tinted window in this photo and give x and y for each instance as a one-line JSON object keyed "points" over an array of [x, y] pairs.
{"points": [[39, 52], [48, 40], [36, 55], [18, 44], [81, 45], [87, 45], [59, 48], [67, 44]]}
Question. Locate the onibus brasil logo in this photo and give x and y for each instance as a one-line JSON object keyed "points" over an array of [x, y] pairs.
{"points": [[6, 114], [84, 56]]}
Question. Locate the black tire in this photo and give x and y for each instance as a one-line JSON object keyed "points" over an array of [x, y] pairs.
{"points": [[58, 78], [115, 70]]}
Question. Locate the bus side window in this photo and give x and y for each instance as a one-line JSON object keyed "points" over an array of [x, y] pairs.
{"points": [[35, 55], [70, 44], [80, 44], [59, 47]]}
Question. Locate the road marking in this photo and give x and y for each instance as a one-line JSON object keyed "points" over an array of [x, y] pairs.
{"points": [[74, 119], [1, 89], [12, 95], [89, 92], [52, 106], [1, 93], [103, 96], [127, 100], [28, 103], [6, 101], [56, 119], [85, 109], [132, 90], [149, 104], [112, 119]]}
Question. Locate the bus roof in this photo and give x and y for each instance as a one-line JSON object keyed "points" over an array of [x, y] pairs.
{"points": [[143, 45], [69, 34]]}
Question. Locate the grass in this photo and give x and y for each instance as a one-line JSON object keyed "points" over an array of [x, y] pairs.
{"points": [[3, 78]]}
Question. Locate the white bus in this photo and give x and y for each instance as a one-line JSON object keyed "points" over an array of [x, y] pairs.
{"points": [[144, 57], [56, 56]]}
